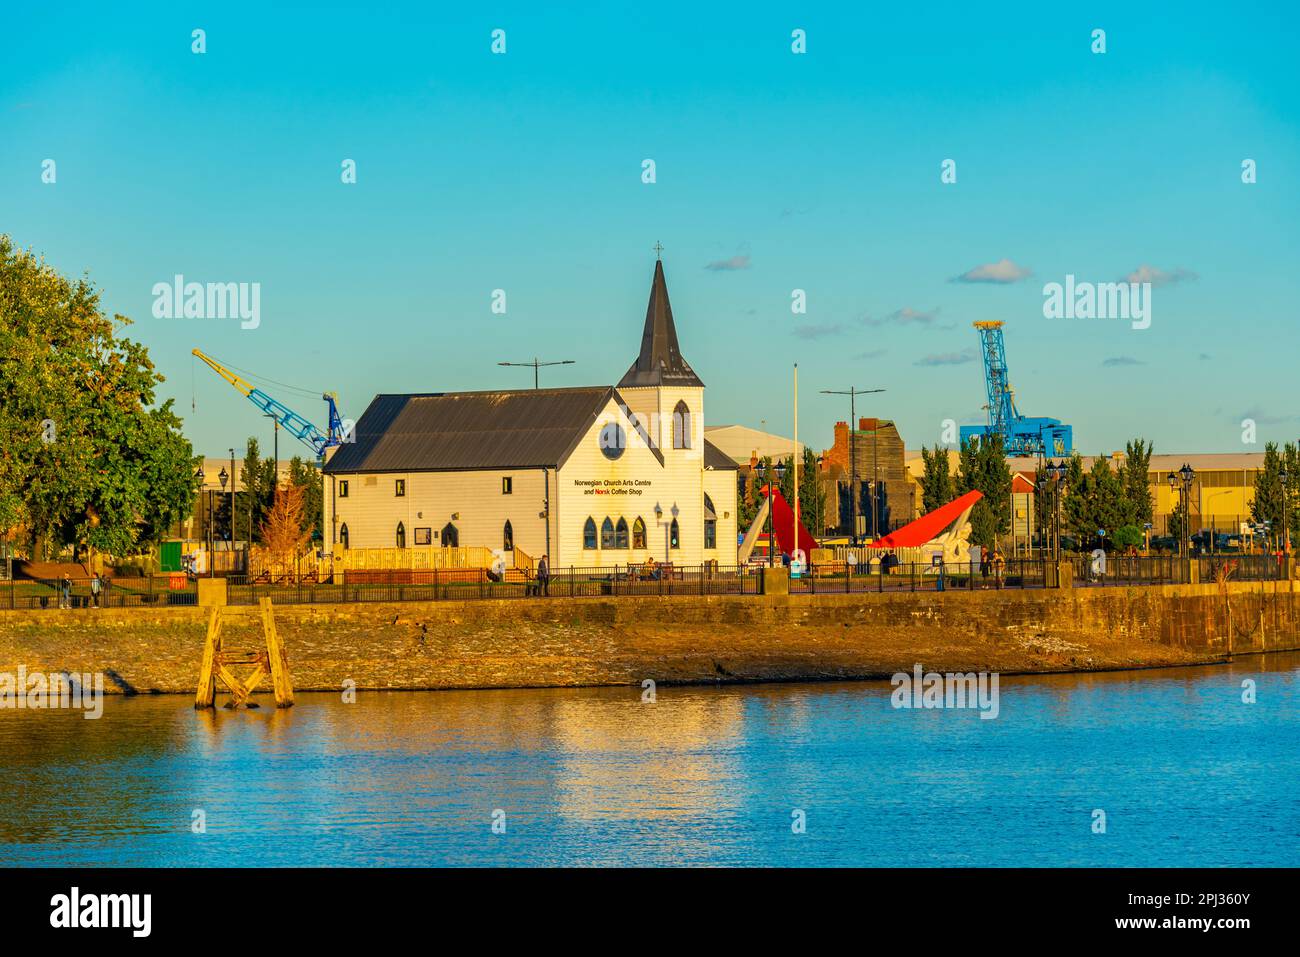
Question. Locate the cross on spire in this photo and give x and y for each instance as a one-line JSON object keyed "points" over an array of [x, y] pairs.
{"points": [[659, 248]]}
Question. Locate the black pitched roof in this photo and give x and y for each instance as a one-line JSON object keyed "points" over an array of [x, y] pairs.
{"points": [[660, 361], [454, 431], [715, 458]]}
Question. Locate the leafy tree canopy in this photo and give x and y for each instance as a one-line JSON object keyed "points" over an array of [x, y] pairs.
{"points": [[88, 458]]}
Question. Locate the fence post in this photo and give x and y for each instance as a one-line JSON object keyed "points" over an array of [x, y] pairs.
{"points": [[570, 581]]}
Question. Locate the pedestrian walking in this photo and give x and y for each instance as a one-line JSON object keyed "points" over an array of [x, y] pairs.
{"points": [[999, 563], [544, 576], [94, 590], [65, 592]]}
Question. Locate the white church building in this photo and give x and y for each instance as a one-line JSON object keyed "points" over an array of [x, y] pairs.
{"points": [[591, 476]]}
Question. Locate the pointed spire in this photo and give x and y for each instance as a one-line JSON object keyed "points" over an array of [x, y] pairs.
{"points": [[660, 361]]}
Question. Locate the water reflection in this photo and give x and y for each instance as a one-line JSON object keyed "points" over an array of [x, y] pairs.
{"points": [[1187, 773]]}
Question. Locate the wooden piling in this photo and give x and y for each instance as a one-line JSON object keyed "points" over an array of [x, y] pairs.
{"points": [[271, 659], [278, 658], [207, 691]]}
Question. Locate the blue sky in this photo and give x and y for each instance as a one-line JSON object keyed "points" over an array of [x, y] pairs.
{"points": [[818, 171]]}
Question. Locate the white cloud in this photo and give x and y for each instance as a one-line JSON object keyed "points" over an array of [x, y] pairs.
{"points": [[947, 358], [1160, 277], [729, 265], [818, 332], [1002, 271], [906, 316]]}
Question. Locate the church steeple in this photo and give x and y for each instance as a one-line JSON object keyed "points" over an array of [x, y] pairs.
{"points": [[660, 361]]}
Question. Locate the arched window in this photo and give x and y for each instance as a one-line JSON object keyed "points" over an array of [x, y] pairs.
{"points": [[681, 426], [343, 534], [638, 534], [674, 539], [606, 533], [710, 524], [508, 538], [620, 533], [401, 535], [589, 534], [450, 536]]}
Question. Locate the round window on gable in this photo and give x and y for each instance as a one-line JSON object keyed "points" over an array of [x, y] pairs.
{"points": [[613, 440]]}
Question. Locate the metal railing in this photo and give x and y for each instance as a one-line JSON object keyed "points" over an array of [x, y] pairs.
{"points": [[1120, 570], [463, 584], [1241, 568], [848, 578], [480, 583], [146, 592]]}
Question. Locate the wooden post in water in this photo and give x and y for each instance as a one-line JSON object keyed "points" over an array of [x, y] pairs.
{"points": [[207, 691], [216, 663], [279, 659]]}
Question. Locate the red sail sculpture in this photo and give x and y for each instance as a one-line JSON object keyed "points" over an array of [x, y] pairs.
{"points": [[783, 524], [929, 526]]}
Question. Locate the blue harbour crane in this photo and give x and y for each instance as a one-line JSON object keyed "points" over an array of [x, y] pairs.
{"points": [[1021, 435], [296, 425]]}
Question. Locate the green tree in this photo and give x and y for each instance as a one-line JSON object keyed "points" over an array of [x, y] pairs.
{"points": [[1095, 501], [983, 467], [1133, 476], [746, 501], [936, 479], [1270, 499], [304, 475], [89, 459], [812, 494]]}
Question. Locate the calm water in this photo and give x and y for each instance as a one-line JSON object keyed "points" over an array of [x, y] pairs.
{"points": [[1186, 773]]}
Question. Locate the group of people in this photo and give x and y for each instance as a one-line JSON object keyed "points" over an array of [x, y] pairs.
{"points": [[99, 585]]}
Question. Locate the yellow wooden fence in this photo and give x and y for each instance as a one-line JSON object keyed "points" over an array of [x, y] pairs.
{"points": [[419, 558]]}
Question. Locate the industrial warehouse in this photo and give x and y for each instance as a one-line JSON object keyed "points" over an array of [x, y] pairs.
{"points": [[594, 476]]}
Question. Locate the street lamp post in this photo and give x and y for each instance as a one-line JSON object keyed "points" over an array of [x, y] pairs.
{"points": [[207, 525], [853, 393], [1286, 517], [1056, 472], [1184, 477], [222, 477]]}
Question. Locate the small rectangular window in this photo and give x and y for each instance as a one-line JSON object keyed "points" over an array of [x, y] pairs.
{"points": [[401, 487], [424, 536], [343, 489], [506, 485]]}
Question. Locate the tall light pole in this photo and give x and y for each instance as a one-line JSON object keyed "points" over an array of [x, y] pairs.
{"points": [[1186, 475], [853, 393], [1056, 472], [536, 365], [275, 454], [222, 477], [1286, 517], [206, 499]]}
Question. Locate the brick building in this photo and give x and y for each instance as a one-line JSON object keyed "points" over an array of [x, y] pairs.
{"points": [[881, 475]]}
